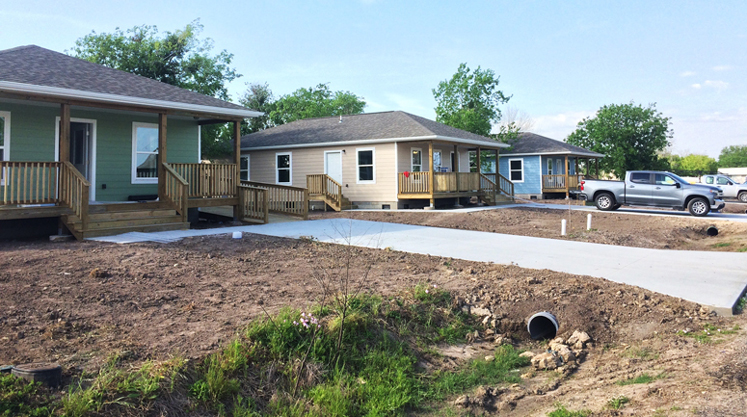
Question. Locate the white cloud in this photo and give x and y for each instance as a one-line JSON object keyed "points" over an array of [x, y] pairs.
{"points": [[722, 68], [696, 86], [718, 85], [687, 73], [558, 126]]}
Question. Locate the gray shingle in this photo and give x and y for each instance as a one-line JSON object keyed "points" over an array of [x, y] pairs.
{"points": [[37, 66], [366, 126], [530, 143]]}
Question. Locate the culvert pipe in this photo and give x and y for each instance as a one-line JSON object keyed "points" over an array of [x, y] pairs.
{"points": [[712, 231], [542, 325]]}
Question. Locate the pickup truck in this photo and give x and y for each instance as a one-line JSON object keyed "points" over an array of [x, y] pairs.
{"points": [[731, 188], [653, 189]]}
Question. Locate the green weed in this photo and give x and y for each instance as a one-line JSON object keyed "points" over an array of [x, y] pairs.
{"points": [[644, 353], [561, 411], [722, 245], [641, 379], [617, 403], [21, 398]]}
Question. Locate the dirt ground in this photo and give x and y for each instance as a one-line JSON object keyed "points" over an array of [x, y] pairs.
{"points": [[677, 232], [76, 303]]}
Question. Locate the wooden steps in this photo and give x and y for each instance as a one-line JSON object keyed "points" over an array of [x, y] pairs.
{"points": [[113, 219]]}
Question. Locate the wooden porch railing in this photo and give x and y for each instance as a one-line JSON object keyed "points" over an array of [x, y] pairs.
{"points": [[323, 185], [558, 182], [416, 183], [505, 186], [444, 182], [29, 182], [176, 191], [74, 192], [293, 201], [209, 180], [253, 205]]}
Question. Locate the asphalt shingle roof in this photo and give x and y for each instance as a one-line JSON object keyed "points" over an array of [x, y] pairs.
{"points": [[530, 143], [366, 126], [38, 66]]}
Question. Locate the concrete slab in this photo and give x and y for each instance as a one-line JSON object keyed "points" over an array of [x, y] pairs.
{"points": [[715, 279]]}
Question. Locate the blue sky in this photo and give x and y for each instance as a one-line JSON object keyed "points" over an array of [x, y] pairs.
{"points": [[561, 61]]}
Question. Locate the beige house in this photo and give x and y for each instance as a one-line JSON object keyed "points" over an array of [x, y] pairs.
{"points": [[376, 160]]}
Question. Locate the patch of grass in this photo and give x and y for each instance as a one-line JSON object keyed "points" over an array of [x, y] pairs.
{"points": [[644, 353], [617, 403], [742, 303], [21, 398], [722, 245], [561, 411], [742, 249], [709, 334], [641, 379]]}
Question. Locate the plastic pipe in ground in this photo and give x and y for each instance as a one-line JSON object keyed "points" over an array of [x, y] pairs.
{"points": [[542, 325], [588, 221], [562, 227]]}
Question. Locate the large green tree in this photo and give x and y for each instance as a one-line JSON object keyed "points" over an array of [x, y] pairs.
{"points": [[317, 101], [630, 137], [693, 165], [258, 97], [178, 58], [470, 100], [734, 156]]}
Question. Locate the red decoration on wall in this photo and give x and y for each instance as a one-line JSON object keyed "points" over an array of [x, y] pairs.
{"points": [[407, 174]]}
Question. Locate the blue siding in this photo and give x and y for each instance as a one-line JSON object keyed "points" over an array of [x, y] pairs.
{"points": [[558, 169], [531, 183]]}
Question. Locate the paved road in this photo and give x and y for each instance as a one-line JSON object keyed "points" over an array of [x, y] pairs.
{"points": [[715, 279]]}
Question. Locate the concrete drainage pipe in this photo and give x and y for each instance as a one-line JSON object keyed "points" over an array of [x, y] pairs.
{"points": [[542, 325]]}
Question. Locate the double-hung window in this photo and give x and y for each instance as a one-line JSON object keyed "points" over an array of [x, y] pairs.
{"points": [[516, 170], [365, 165], [244, 168], [416, 163], [284, 172], [144, 153], [4, 141]]}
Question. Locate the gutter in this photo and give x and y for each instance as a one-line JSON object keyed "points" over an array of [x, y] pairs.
{"points": [[375, 141], [68, 93]]}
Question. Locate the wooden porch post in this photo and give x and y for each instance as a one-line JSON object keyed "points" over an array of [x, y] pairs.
{"points": [[65, 132], [575, 171], [479, 164], [567, 185], [161, 156], [237, 172], [431, 175]]}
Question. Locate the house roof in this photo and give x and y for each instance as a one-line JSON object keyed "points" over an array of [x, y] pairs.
{"points": [[391, 126], [35, 70], [533, 144]]}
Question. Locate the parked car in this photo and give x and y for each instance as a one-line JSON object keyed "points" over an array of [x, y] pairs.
{"points": [[730, 187], [653, 189]]}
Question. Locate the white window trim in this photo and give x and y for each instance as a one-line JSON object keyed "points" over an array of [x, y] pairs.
{"points": [[358, 179], [558, 162], [290, 168], [92, 122], [133, 173], [412, 165], [522, 170], [6, 142], [248, 168]]}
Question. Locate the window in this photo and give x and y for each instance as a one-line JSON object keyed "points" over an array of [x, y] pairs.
{"points": [[641, 177], [244, 168], [549, 166], [723, 181], [4, 141], [437, 161], [516, 170], [283, 166], [709, 180], [662, 179], [416, 164], [365, 165], [144, 153]]}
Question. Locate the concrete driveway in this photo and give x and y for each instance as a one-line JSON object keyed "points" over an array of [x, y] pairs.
{"points": [[715, 279]]}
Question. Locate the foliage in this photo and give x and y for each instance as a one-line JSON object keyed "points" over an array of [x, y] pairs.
{"points": [[693, 165], [561, 411], [617, 403], [733, 156], [257, 97], [641, 379], [470, 100], [629, 136], [317, 101], [21, 398]]}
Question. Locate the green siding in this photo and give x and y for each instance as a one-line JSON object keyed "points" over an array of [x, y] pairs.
{"points": [[32, 138]]}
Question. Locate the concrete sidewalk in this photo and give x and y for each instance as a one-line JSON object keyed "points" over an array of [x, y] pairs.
{"points": [[715, 279]]}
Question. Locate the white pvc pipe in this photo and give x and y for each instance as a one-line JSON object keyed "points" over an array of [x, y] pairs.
{"points": [[562, 227], [588, 222]]}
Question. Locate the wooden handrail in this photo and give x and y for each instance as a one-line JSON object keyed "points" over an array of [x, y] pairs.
{"points": [[209, 180], [176, 191], [293, 201], [505, 185], [326, 186], [253, 204], [29, 182], [75, 191]]}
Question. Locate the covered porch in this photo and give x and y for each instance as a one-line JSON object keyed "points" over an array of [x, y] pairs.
{"points": [[563, 174]]}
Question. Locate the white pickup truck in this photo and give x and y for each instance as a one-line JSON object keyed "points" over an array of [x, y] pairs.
{"points": [[731, 188]]}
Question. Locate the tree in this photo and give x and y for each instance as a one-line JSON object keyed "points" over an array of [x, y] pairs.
{"points": [[630, 137], [317, 101], [178, 58], [258, 97], [470, 100], [733, 156], [693, 165]]}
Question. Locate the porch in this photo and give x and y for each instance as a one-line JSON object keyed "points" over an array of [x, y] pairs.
{"points": [[570, 180]]}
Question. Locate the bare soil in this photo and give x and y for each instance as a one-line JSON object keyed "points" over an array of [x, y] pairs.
{"points": [[654, 232], [77, 303]]}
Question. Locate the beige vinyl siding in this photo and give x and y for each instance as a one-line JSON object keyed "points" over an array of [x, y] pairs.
{"points": [[307, 161], [404, 153]]}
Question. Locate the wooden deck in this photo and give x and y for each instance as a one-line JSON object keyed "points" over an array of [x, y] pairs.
{"points": [[422, 185]]}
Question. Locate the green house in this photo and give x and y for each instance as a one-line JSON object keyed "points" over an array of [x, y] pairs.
{"points": [[102, 151]]}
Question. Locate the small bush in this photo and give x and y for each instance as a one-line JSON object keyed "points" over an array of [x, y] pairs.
{"points": [[21, 398], [617, 403]]}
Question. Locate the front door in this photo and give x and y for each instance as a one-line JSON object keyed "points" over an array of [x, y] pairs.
{"points": [[333, 165], [82, 149]]}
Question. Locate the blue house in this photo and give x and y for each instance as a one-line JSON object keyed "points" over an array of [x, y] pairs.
{"points": [[539, 166]]}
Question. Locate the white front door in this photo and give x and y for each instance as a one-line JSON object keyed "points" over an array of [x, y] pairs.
{"points": [[333, 165]]}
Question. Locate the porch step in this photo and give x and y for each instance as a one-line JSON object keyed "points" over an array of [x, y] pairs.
{"points": [[123, 207], [141, 228], [112, 219], [131, 214]]}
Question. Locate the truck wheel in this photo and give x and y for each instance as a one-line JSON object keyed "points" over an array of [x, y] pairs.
{"points": [[698, 207], [605, 201], [743, 196]]}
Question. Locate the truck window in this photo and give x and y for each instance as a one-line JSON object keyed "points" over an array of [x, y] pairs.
{"points": [[662, 179], [640, 177], [722, 181], [709, 180]]}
